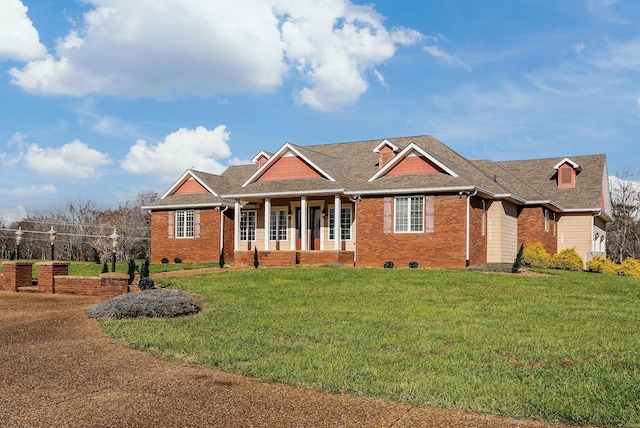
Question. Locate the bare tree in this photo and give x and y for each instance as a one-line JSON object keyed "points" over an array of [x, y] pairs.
{"points": [[623, 234], [81, 230]]}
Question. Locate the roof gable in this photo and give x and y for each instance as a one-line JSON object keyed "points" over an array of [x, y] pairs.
{"points": [[413, 160], [386, 143], [568, 161], [288, 163], [189, 183], [190, 186]]}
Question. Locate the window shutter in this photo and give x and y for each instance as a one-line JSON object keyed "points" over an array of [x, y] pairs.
{"points": [[388, 210], [172, 226], [196, 223], [429, 211]]}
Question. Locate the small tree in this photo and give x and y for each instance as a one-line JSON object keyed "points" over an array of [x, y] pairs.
{"points": [[105, 268], [256, 263], [221, 262], [144, 269], [517, 263], [96, 256]]}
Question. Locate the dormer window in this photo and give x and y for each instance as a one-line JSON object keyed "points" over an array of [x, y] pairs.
{"points": [[567, 171], [261, 158], [386, 151]]}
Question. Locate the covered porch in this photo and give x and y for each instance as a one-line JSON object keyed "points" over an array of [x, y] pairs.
{"points": [[306, 230]]}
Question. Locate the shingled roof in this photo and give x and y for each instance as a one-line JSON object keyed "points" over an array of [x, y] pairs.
{"points": [[350, 168]]}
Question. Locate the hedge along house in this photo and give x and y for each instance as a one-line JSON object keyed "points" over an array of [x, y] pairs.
{"points": [[364, 203]]}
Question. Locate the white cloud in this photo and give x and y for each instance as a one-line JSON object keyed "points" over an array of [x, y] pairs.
{"points": [[198, 148], [331, 44], [603, 10], [13, 214], [74, 160], [176, 47], [19, 40], [30, 191], [438, 52]]}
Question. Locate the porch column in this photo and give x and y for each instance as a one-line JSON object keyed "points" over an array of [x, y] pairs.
{"points": [[303, 223], [337, 223], [236, 226], [267, 220]]}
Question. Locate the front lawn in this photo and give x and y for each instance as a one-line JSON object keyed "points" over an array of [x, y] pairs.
{"points": [[565, 347]]}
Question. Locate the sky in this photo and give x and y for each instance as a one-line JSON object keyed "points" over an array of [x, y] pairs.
{"points": [[101, 100]]}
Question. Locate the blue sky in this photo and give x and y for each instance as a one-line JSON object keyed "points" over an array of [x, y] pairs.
{"points": [[105, 99]]}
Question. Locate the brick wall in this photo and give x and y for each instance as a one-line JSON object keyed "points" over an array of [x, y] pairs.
{"points": [[16, 274], [266, 258], [228, 236], [113, 284], [477, 241], [205, 248], [81, 285], [531, 229], [106, 286], [444, 248], [46, 273], [319, 258]]}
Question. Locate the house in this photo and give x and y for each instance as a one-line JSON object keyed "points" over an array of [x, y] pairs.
{"points": [[410, 199]]}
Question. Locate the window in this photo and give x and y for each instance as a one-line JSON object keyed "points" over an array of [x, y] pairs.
{"points": [[184, 224], [345, 222], [546, 220], [247, 226], [409, 214], [278, 225]]}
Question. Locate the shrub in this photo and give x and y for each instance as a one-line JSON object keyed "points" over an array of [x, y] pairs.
{"points": [[221, 261], [567, 259], [131, 270], [146, 283], [536, 256], [629, 267], [599, 264], [105, 268], [164, 261], [388, 265], [517, 263], [413, 265], [256, 262], [177, 260], [160, 303]]}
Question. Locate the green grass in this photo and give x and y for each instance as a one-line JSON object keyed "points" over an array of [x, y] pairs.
{"points": [[93, 269], [561, 348]]}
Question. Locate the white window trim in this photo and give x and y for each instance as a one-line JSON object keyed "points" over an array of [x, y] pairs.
{"points": [[395, 213], [182, 234], [255, 225], [343, 207]]}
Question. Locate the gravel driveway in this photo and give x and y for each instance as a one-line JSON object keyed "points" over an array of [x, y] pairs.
{"points": [[58, 369]]}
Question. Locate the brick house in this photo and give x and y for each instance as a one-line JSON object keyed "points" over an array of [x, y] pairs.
{"points": [[363, 203]]}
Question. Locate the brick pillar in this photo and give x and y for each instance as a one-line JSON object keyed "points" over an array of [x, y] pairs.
{"points": [[46, 275], [17, 273], [113, 284]]}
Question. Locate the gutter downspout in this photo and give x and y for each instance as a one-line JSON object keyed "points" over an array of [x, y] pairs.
{"points": [[355, 200], [468, 231]]}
